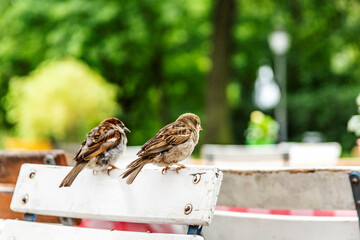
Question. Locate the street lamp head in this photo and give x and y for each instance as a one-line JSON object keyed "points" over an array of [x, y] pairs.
{"points": [[267, 93], [279, 42]]}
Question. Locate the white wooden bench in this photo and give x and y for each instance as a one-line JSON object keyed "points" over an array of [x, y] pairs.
{"points": [[270, 156], [187, 198], [245, 156], [321, 189]]}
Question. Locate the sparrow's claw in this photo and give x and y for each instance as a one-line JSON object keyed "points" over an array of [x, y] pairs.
{"points": [[112, 167], [164, 170], [95, 172], [178, 169]]}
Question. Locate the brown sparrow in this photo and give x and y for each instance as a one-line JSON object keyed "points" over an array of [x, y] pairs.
{"points": [[172, 144], [101, 148]]}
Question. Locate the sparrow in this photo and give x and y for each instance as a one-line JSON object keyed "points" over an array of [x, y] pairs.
{"points": [[101, 148], [172, 144]]}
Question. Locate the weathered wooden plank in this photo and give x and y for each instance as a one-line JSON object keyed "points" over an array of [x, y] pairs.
{"points": [[152, 198], [11, 161], [230, 225], [21, 230], [321, 188]]}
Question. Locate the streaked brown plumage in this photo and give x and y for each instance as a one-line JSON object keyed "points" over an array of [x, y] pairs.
{"points": [[172, 144], [101, 148]]}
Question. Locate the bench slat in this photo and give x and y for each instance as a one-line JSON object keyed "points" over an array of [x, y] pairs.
{"points": [[269, 227], [11, 161], [321, 188], [21, 230], [6, 213], [152, 198], [240, 153]]}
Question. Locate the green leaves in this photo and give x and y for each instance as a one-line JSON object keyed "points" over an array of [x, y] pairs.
{"points": [[61, 100], [158, 54]]}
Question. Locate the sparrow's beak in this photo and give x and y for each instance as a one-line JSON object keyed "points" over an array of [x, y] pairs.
{"points": [[201, 128], [127, 130]]}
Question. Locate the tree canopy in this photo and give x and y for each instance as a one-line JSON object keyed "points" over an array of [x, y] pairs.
{"points": [[60, 101], [159, 54]]}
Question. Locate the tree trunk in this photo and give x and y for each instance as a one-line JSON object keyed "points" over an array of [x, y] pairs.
{"points": [[217, 112]]}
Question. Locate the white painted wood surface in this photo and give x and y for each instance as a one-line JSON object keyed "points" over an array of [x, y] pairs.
{"points": [[2, 221], [237, 153], [245, 156], [321, 188], [21, 230], [314, 154], [152, 198], [269, 156], [249, 226], [7, 187]]}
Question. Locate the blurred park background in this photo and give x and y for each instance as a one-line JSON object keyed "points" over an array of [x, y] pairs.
{"points": [[65, 65]]}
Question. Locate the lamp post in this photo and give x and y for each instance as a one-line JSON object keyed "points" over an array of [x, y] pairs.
{"points": [[279, 42]]}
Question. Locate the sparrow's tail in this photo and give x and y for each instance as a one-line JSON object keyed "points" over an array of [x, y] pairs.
{"points": [[69, 179], [133, 170]]}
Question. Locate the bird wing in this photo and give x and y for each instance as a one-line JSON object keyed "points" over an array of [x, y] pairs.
{"points": [[169, 136], [81, 147], [98, 141]]}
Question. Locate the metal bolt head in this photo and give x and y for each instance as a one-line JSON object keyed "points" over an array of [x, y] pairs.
{"points": [[355, 180], [197, 178], [32, 174], [25, 199], [49, 159], [188, 209]]}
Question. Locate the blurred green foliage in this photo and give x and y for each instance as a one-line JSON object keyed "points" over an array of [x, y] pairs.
{"points": [[354, 121], [158, 53], [326, 110], [262, 129], [60, 100], [323, 74]]}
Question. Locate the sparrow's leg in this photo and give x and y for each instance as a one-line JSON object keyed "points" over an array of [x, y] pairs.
{"points": [[165, 170], [181, 166], [112, 167]]}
